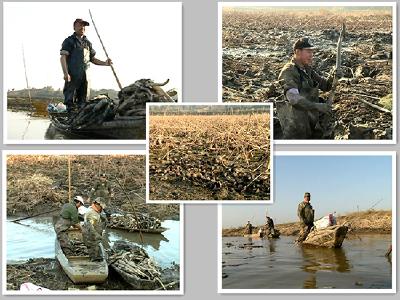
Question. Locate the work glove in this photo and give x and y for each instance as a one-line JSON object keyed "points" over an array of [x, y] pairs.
{"points": [[322, 107]]}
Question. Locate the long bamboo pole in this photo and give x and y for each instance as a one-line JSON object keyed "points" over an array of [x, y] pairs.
{"points": [[105, 51], [69, 178]]}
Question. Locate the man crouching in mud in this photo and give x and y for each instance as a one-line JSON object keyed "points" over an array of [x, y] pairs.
{"points": [[302, 111]]}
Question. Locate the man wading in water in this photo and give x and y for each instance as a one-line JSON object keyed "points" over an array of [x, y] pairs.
{"points": [[76, 55], [305, 212]]}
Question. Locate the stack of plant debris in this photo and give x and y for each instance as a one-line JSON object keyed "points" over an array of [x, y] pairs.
{"points": [[258, 43], [96, 111], [132, 102], [133, 222], [136, 267], [133, 98], [228, 155], [78, 248]]}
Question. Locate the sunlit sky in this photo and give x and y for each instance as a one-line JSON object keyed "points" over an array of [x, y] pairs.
{"points": [[340, 184], [144, 40]]}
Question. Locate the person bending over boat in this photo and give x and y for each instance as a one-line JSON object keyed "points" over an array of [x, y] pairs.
{"points": [[92, 229], [305, 212], [68, 217], [269, 227], [76, 55]]}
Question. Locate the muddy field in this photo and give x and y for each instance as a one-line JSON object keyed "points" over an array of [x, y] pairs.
{"points": [[209, 157], [39, 183], [379, 221], [47, 272], [257, 44]]}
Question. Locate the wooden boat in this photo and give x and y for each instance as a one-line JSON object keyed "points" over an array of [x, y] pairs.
{"points": [[120, 128], [260, 235], [136, 282], [331, 237], [79, 268], [148, 230]]}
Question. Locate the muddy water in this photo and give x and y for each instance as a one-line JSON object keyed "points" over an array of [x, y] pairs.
{"points": [[279, 264], [35, 239]]}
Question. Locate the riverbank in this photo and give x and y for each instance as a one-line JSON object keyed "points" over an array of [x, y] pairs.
{"points": [[47, 272], [39, 183], [371, 221]]}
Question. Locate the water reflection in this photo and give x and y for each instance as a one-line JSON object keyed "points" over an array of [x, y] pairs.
{"points": [[280, 264], [322, 259]]}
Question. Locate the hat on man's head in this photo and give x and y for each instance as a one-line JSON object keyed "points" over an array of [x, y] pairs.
{"points": [[306, 194], [85, 23], [79, 199], [101, 202], [302, 43]]}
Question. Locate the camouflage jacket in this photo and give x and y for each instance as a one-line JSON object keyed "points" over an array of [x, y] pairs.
{"points": [[305, 212], [92, 225], [305, 80], [70, 212]]}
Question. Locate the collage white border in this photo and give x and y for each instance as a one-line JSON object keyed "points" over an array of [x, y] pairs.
{"points": [[270, 201], [392, 290], [221, 5], [7, 141], [74, 293]]}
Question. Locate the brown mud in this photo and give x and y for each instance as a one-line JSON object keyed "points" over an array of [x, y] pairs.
{"points": [[47, 272], [209, 157]]}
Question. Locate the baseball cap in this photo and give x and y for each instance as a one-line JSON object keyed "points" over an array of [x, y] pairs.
{"points": [[81, 21], [303, 43]]}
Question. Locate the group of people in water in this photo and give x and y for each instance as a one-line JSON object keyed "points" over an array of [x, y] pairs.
{"points": [[305, 212]]}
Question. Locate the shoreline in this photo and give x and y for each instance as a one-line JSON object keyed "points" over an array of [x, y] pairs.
{"points": [[366, 222]]}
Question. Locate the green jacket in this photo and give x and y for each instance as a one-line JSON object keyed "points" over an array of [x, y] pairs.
{"points": [[306, 80], [305, 212], [70, 212]]}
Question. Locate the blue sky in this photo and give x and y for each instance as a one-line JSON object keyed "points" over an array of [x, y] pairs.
{"points": [[338, 184]]}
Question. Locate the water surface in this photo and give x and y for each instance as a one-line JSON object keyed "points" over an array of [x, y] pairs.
{"points": [[280, 264]]}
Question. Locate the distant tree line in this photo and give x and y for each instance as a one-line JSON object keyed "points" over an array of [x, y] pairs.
{"points": [[48, 92]]}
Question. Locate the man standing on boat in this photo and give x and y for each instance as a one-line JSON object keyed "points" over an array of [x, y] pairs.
{"points": [[305, 212], [76, 55], [92, 229], [68, 217]]}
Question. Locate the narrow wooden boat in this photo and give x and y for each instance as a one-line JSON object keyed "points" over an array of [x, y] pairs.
{"points": [[148, 230], [80, 269], [262, 236], [120, 128], [330, 237]]}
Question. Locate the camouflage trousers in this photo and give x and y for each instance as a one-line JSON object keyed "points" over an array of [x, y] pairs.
{"points": [[92, 243], [61, 228], [304, 231], [298, 124]]}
